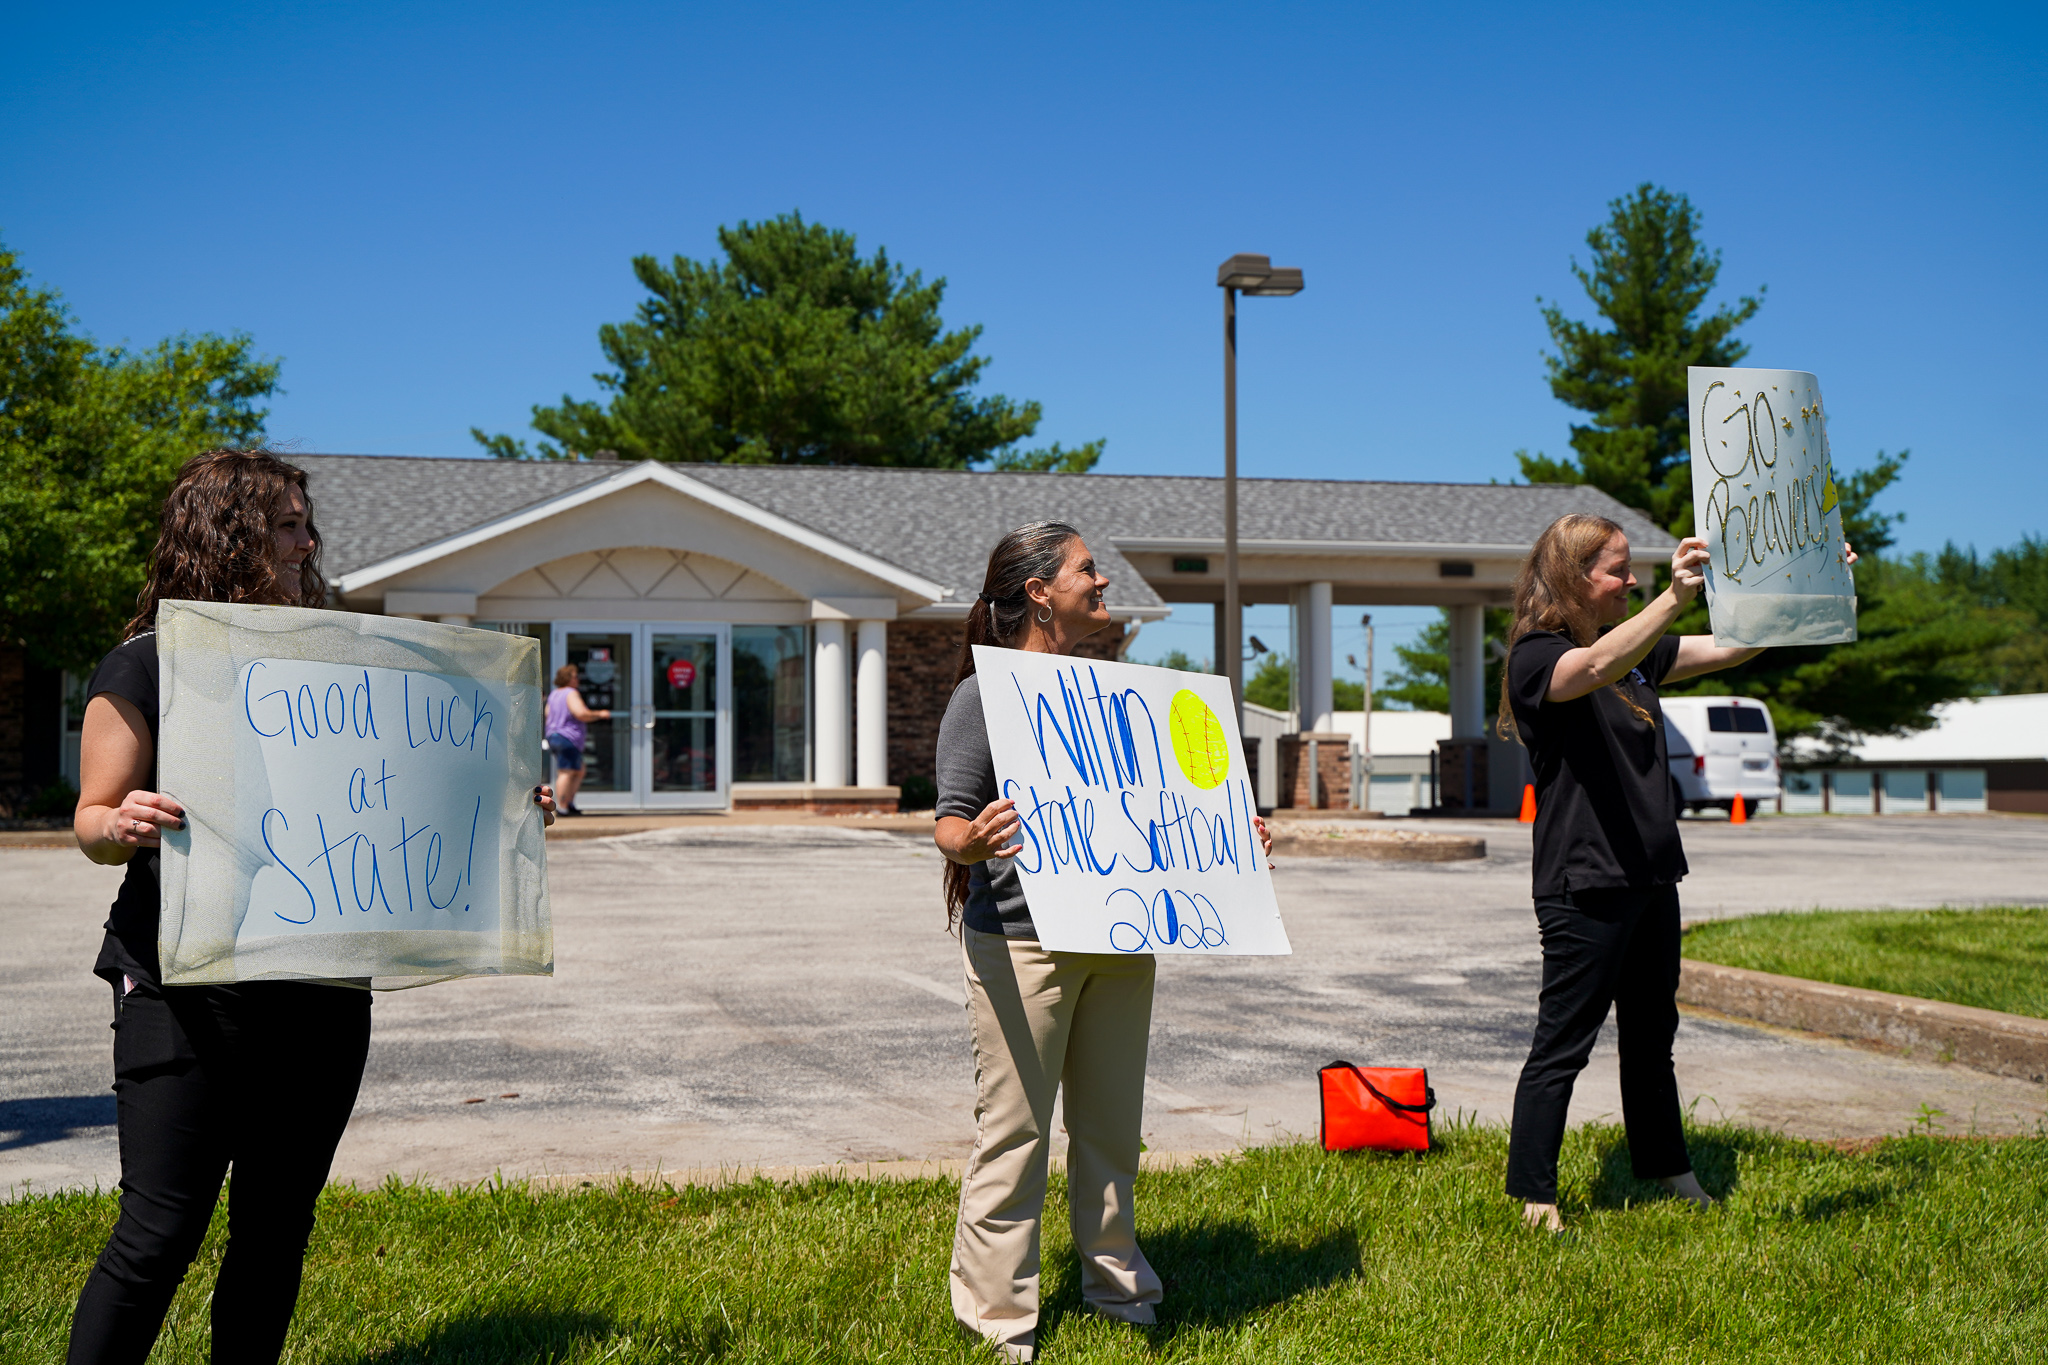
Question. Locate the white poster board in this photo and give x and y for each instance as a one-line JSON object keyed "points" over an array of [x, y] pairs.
{"points": [[1136, 803], [358, 794], [1764, 500]]}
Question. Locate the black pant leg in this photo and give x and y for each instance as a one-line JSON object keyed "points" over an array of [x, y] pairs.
{"points": [[1646, 1024], [1583, 936], [302, 1049], [174, 1151]]}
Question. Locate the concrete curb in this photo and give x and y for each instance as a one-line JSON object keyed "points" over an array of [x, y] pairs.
{"points": [[1406, 846], [1986, 1040]]}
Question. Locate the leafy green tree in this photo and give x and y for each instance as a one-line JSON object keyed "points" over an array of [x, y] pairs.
{"points": [[1649, 278], [1347, 694], [1271, 684], [1919, 643], [89, 442], [2012, 584], [1423, 681], [1179, 659], [793, 350]]}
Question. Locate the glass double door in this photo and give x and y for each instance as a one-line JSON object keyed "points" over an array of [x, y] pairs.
{"points": [[667, 744]]}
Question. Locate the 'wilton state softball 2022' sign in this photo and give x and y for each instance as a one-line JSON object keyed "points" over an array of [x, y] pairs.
{"points": [[1136, 803]]}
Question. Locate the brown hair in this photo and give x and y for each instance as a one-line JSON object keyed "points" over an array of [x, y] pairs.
{"points": [[214, 542], [1550, 594], [997, 617], [565, 676]]}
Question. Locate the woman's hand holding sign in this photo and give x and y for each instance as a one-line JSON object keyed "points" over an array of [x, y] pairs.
{"points": [[988, 835], [115, 815], [1688, 568], [141, 819]]}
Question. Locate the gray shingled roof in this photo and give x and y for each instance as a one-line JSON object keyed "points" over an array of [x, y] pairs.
{"points": [[940, 523]]}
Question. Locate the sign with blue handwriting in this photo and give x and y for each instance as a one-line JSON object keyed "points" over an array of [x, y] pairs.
{"points": [[359, 793], [1765, 500], [1136, 804]]}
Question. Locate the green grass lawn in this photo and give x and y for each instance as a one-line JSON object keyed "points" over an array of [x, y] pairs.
{"points": [[1919, 1249], [1994, 959]]}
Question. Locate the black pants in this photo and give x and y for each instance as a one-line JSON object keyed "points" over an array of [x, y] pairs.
{"points": [[1602, 947], [261, 1076]]}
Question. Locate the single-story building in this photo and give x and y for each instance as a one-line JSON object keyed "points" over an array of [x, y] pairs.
{"points": [[787, 635], [1986, 753]]}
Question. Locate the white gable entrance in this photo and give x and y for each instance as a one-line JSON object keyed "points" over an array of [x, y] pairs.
{"points": [[642, 583]]}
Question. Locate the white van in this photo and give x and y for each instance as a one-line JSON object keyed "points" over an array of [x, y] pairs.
{"points": [[1721, 747]]}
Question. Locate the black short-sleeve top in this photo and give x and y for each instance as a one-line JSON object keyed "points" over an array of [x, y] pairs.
{"points": [[1606, 815], [129, 949]]}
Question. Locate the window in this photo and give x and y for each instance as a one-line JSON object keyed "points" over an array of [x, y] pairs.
{"points": [[1905, 789], [1961, 784], [771, 679], [1738, 720], [1721, 719]]}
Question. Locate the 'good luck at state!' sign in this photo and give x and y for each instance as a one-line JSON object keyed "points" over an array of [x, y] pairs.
{"points": [[1136, 805], [359, 794]]}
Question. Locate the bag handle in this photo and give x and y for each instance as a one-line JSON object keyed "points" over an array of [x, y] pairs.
{"points": [[1428, 1092], [1429, 1097]]}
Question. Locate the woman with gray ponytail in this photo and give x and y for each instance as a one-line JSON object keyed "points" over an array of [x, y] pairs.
{"points": [[1581, 693], [1041, 1021]]}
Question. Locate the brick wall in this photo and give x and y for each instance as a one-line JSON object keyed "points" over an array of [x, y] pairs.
{"points": [[922, 658], [1333, 760]]}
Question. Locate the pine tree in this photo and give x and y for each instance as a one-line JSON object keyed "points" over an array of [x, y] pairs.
{"points": [[1649, 278], [795, 349]]}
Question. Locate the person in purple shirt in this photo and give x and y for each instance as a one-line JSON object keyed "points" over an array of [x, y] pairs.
{"points": [[566, 736]]}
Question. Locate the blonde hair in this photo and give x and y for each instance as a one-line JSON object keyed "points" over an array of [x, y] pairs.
{"points": [[1550, 594]]}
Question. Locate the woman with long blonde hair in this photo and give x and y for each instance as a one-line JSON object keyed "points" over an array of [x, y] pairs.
{"points": [[1581, 692]]}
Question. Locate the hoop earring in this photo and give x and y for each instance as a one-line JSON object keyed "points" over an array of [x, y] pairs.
{"points": [[1046, 619]]}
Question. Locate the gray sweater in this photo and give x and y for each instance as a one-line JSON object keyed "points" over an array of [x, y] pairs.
{"points": [[967, 783]]}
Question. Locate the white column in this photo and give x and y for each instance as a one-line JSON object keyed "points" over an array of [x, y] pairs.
{"points": [[1468, 670], [1317, 707], [452, 619], [871, 704], [833, 716]]}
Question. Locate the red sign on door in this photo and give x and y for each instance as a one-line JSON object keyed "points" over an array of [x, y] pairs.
{"points": [[681, 674]]}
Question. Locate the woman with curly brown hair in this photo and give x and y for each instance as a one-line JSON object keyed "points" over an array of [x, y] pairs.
{"points": [[261, 1075], [1581, 693]]}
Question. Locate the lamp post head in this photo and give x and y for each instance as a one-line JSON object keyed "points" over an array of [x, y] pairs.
{"points": [[1278, 285], [1244, 271]]}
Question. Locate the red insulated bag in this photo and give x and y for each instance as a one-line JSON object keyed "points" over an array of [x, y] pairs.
{"points": [[1384, 1108]]}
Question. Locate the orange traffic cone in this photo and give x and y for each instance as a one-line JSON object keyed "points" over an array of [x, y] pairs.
{"points": [[1736, 814], [1528, 816]]}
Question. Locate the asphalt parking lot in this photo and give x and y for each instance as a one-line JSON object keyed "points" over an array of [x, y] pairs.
{"points": [[786, 995]]}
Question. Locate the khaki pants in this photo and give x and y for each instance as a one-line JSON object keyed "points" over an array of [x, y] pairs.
{"points": [[1042, 1020]]}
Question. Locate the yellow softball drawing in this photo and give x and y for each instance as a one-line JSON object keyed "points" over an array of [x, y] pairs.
{"points": [[1199, 744]]}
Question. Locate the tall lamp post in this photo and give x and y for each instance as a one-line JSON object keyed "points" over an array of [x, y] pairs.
{"points": [[1253, 275]]}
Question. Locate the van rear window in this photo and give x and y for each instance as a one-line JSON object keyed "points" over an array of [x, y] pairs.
{"points": [[1742, 721]]}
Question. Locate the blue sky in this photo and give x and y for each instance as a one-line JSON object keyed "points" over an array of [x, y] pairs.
{"points": [[427, 210]]}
